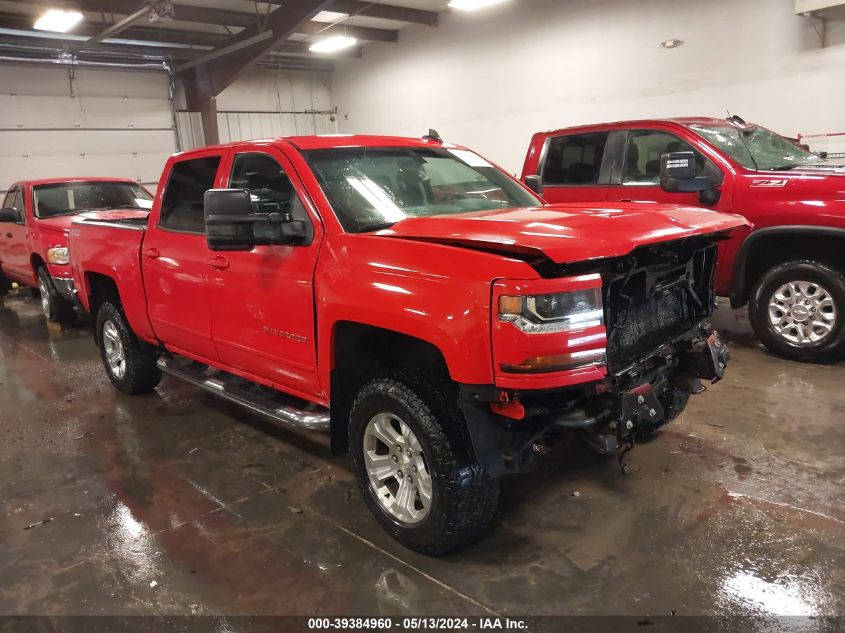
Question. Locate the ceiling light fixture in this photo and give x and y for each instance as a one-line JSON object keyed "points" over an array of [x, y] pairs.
{"points": [[473, 5], [333, 44], [673, 43], [58, 20]]}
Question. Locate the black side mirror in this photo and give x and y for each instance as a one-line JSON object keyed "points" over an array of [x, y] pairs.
{"points": [[535, 184], [677, 175], [9, 215], [231, 224]]}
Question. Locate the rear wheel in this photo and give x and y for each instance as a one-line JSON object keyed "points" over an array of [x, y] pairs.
{"points": [[129, 362], [414, 466], [55, 307], [797, 310]]}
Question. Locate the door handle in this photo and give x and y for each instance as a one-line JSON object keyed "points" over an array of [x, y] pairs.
{"points": [[152, 253], [219, 263], [625, 200]]}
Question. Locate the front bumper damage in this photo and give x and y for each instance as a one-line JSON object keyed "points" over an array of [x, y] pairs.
{"points": [[610, 414], [64, 286]]}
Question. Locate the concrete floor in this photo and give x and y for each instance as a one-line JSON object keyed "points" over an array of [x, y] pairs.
{"points": [[177, 503]]}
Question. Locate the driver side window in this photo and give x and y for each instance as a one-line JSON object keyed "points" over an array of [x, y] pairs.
{"points": [[642, 156], [270, 188]]}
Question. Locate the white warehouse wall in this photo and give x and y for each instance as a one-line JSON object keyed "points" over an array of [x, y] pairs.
{"points": [[490, 79], [58, 121]]}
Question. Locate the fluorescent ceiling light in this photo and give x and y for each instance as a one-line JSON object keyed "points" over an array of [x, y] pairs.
{"points": [[473, 5], [330, 16], [333, 44], [58, 20]]}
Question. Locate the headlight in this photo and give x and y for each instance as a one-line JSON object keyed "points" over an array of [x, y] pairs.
{"points": [[58, 256], [559, 312]]}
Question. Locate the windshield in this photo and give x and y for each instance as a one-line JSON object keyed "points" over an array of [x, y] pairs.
{"points": [[373, 188], [755, 147], [76, 197]]}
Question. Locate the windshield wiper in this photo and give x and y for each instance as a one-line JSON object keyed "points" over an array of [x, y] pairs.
{"points": [[376, 227], [790, 167]]}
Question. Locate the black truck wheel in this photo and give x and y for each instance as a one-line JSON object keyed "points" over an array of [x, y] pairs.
{"points": [[129, 362], [414, 465], [797, 309], [55, 307]]}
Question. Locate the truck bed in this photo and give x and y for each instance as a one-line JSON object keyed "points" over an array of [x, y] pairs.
{"points": [[106, 253]]}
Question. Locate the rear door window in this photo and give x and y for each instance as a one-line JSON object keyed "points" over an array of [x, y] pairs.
{"points": [[574, 160], [182, 204]]}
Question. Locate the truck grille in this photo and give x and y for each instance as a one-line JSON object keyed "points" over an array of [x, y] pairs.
{"points": [[659, 293]]}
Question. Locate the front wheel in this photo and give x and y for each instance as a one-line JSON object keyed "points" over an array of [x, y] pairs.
{"points": [[55, 307], [129, 362], [797, 310], [414, 465]]}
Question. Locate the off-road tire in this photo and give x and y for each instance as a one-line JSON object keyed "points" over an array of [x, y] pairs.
{"points": [[55, 307], [141, 374], [827, 277], [464, 498]]}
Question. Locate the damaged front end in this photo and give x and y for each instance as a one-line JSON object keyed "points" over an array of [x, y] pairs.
{"points": [[660, 349]]}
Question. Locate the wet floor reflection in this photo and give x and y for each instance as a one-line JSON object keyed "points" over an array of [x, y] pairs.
{"points": [[177, 503]]}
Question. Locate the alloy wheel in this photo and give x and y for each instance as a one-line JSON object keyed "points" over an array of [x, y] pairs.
{"points": [[44, 291], [397, 468], [113, 348], [802, 312]]}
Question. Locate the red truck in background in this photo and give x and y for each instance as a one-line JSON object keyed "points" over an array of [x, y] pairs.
{"points": [[790, 268], [413, 300], [34, 223]]}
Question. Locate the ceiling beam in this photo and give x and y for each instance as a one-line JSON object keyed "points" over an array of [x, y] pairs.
{"points": [[384, 11], [365, 33], [249, 47], [142, 33], [116, 28], [182, 12], [222, 51], [67, 46], [199, 15], [242, 19]]}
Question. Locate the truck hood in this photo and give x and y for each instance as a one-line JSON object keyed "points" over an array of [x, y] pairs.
{"points": [[568, 233], [62, 223]]}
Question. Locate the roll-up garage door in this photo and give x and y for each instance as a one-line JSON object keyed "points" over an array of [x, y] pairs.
{"points": [[82, 121]]}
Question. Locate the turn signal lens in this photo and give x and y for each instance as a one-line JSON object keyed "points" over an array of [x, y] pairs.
{"points": [[559, 362], [510, 305]]}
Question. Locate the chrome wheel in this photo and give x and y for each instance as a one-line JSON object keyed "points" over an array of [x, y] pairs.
{"points": [[397, 468], [113, 348], [802, 312], [44, 291]]}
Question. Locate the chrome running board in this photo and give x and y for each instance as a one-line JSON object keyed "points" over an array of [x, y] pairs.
{"points": [[261, 400]]}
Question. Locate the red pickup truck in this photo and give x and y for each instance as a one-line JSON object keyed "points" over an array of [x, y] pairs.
{"points": [[790, 269], [34, 223], [413, 300]]}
